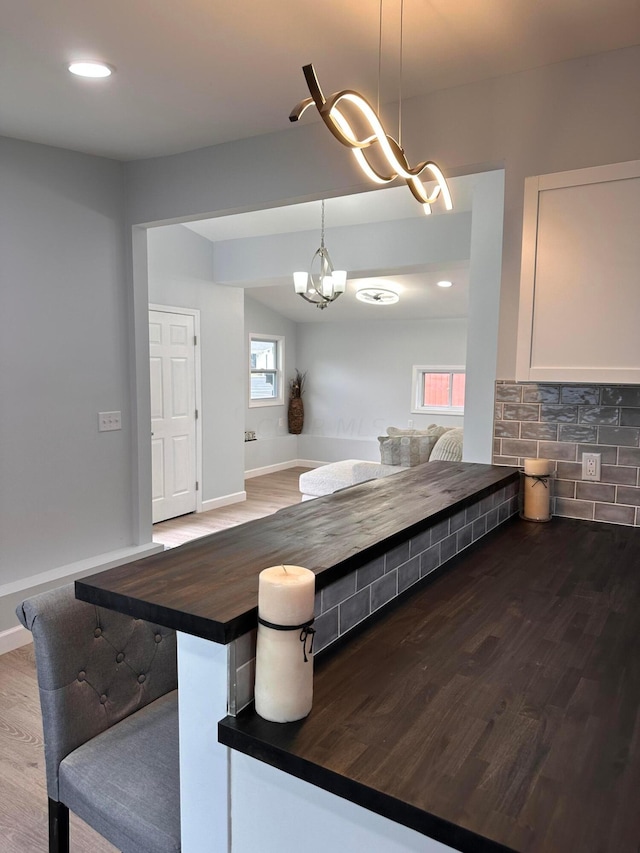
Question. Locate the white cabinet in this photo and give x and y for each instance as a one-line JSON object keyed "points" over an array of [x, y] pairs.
{"points": [[579, 318]]}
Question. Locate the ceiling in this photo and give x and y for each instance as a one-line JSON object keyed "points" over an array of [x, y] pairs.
{"points": [[420, 297], [192, 73]]}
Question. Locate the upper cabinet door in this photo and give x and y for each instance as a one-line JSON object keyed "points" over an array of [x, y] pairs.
{"points": [[579, 317]]}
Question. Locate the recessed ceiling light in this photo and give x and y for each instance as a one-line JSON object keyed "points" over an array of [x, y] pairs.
{"points": [[91, 69], [445, 283], [377, 296]]}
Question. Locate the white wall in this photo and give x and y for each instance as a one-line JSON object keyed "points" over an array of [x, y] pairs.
{"points": [[180, 265], [359, 381], [65, 491], [274, 445]]}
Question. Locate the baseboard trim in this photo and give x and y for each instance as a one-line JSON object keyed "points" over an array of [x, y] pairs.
{"points": [[225, 500], [92, 564], [14, 592], [14, 638], [281, 466]]}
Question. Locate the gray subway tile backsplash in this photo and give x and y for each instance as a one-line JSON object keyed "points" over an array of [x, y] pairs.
{"points": [[580, 394], [577, 432], [621, 395], [540, 394], [559, 414], [598, 415], [575, 419], [620, 436], [630, 417]]}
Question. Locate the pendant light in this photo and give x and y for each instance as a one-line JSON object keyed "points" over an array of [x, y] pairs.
{"points": [[347, 107], [322, 284]]}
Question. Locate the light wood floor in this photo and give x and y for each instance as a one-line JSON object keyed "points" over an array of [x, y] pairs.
{"points": [[23, 793], [265, 495]]}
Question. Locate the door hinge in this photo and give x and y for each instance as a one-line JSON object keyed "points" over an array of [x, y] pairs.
{"points": [[196, 415], [195, 340], [197, 486]]}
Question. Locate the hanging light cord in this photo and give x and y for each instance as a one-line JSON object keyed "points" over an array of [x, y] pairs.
{"points": [[322, 227], [379, 56], [400, 75]]}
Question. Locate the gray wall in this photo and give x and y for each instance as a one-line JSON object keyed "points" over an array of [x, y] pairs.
{"points": [[65, 491], [359, 381], [274, 445], [181, 275]]}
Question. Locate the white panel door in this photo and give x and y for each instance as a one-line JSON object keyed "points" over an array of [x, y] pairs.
{"points": [[173, 414]]}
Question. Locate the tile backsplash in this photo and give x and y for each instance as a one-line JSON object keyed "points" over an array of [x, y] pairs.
{"points": [[560, 422]]}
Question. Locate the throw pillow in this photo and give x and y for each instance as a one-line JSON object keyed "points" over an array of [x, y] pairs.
{"points": [[428, 431], [448, 448], [406, 450]]}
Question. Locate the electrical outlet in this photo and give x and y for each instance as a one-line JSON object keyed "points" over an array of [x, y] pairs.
{"points": [[591, 466], [410, 424], [109, 420]]}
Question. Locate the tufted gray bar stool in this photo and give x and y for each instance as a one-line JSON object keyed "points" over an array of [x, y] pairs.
{"points": [[108, 693]]}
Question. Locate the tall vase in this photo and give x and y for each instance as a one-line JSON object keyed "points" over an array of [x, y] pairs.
{"points": [[296, 415]]}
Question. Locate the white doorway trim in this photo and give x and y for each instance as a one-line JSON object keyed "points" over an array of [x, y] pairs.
{"points": [[195, 313]]}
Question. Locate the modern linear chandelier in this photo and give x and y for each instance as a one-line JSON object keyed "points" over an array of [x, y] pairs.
{"points": [[324, 285], [347, 108]]}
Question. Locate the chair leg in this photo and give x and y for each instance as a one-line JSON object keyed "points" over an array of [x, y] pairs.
{"points": [[58, 827]]}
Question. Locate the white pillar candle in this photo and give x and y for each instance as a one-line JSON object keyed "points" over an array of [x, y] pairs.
{"points": [[284, 680], [537, 490], [537, 467]]}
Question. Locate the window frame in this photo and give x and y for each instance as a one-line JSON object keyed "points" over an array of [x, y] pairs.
{"points": [[278, 371], [417, 386]]}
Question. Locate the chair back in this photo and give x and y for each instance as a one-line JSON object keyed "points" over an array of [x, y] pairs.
{"points": [[94, 668]]}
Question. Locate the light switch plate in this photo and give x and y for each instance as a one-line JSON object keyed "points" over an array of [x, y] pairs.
{"points": [[109, 421]]}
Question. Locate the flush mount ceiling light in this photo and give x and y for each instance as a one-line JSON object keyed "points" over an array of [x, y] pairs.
{"points": [[91, 69], [345, 108], [377, 296], [445, 284], [324, 285]]}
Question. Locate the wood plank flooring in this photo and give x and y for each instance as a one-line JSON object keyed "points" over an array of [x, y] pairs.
{"points": [[265, 494], [23, 790], [23, 793]]}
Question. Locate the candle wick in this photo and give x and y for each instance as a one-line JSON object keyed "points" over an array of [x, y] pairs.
{"points": [[284, 569]]}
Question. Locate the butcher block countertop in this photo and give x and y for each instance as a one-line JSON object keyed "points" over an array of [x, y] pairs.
{"points": [[209, 587], [496, 708]]}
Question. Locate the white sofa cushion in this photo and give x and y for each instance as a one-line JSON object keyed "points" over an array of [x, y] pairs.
{"points": [[338, 475]]}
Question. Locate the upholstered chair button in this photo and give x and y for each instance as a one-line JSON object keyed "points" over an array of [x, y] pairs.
{"points": [[142, 678], [103, 699], [97, 632], [158, 638], [82, 675], [119, 657]]}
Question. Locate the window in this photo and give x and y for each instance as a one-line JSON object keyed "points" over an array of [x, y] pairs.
{"points": [[438, 389], [266, 360]]}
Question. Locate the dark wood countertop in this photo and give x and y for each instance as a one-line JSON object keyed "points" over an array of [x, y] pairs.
{"points": [[209, 587], [497, 708]]}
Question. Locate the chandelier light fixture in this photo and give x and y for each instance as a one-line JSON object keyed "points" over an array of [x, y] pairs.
{"points": [[322, 284], [347, 108]]}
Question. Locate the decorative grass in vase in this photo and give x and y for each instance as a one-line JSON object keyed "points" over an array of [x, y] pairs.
{"points": [[296, 407]]}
